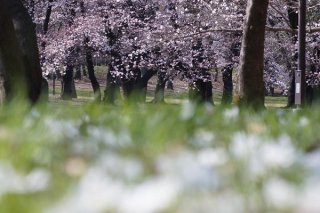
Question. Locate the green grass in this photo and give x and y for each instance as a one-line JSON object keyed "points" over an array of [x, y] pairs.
{"points": [[68, 141], [171, 97], [276, 102]]}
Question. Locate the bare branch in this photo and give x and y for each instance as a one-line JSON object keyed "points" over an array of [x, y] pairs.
{"points": [[314, 6], [281, 14]]}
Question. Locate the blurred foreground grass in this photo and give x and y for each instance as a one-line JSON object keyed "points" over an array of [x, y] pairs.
{"points": [[158, 158]]}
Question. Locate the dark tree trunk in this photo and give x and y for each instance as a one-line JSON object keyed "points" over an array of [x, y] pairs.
{"points": [[112, 90], [315, 95], [26, 35], [291, 92], [94, 82], [74, 91], [294, 20], [58, 74], [251, 86], [170, 84], [200, 90], [128, 90], [135, 89], [54, 84], [227, 85], [45, 89], [310, 95], [316, 88], [68, 88], [160, 88], [313, 89], [143, 84], [47, 18], [271, 90], [77, 75], [12, 67], [84, 71]]}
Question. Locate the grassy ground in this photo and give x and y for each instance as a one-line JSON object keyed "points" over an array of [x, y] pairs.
{"points": [[176, 96], [157, 158], [75, 156]]}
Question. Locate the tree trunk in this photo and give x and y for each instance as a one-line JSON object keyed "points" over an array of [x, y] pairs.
{"points": [[54, 84], [26, 35], [12, 66], [250, 85], [200, 90], [227, 85], [68, 88], [135, 89], [292, 88], [77, 75], [315, 95], [160, 88], [94, 82], [47, 18], [294, 20], [313, 89], [45, 90], [316, 88], [143, 84], [84, 71], [170, 84], [128, 89], [112, 90]]}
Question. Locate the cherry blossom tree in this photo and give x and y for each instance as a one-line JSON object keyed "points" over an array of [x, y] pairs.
{"points": [[167, 38]]}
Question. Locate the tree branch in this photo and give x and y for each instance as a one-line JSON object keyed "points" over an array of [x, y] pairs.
{"points": [[239, 30]]}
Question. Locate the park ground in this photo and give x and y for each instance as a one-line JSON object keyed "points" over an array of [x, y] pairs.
{"points": [[176, 96], [77, 156]]}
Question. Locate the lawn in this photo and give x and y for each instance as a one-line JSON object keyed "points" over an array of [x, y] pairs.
{"points": [[157, 158]]}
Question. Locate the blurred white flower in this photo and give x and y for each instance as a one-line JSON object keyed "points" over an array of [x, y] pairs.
{"points": [[203, 138], [244, 145], [190, 170], [303, 122], [310, 197], [187, 111], [231, 113], [37, 180], [280, 194], [13, 182], [153, 195], [95, 193], [61, 128], [278, 154], [212, 157], [261, 155], [311, 161]]}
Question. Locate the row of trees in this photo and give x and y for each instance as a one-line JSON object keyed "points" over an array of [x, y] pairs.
{"points": [[171, 38]]}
